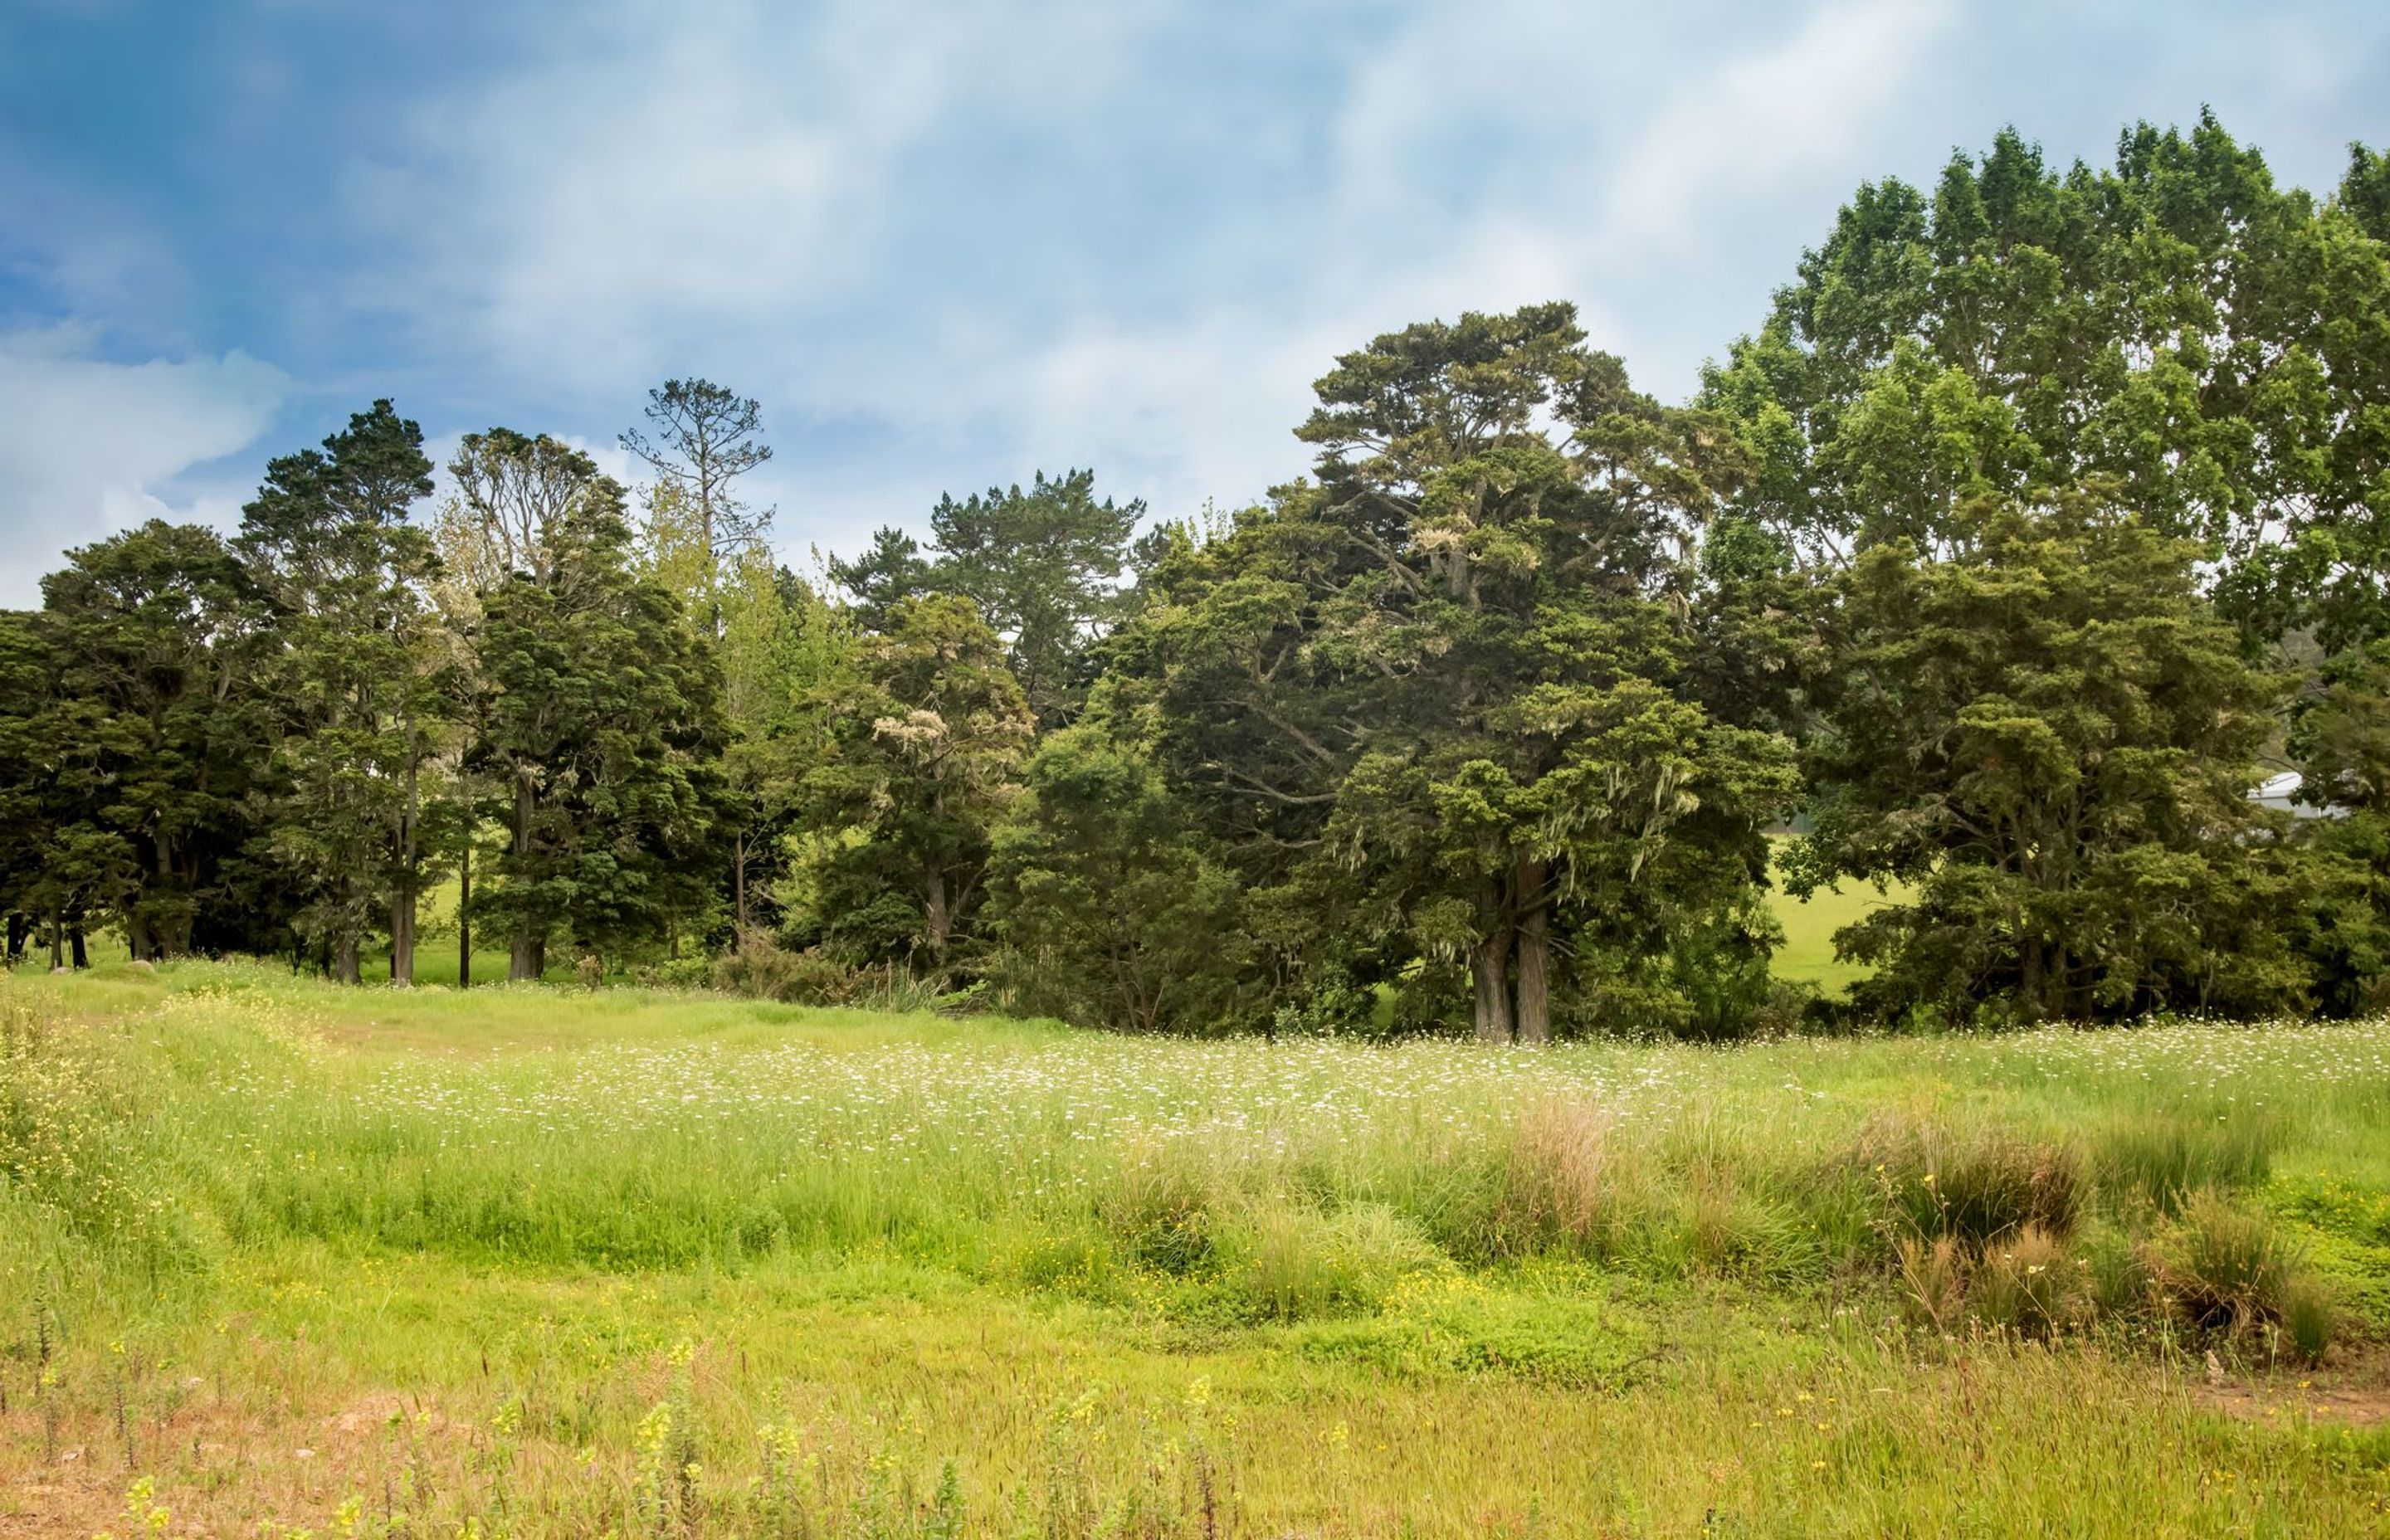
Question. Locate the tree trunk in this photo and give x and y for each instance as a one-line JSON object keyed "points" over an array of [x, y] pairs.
{"points": [[402, 898], [465, 915], [137, 937], [19, 927], [738, 887], [940, 921], [345, 959], [528, 958], [1534, 1011], [75, 947], [402, 931], [1489, 968], [171, 937], [2030, 986], [57, 942]]}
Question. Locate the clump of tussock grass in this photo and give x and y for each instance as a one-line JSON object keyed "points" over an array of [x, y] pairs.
{"points": [[1572, 1181], [1975, 1185], [2231, 1272], [1161, 1204], [1283, 1262]]}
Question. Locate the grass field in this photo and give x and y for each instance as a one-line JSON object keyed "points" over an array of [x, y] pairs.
{"points": [[1807, 955], [279, 1258]]}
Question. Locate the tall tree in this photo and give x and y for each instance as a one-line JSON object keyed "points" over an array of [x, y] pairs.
{"points": [[1443, 697], [1045, 566], [927, 748], [328, 542], [598, 716], [700, 439], [157, 641], [2174, 323], [1112, 908]]}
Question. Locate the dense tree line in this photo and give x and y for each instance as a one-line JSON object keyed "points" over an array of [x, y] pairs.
{"points": [[2045, 515]]}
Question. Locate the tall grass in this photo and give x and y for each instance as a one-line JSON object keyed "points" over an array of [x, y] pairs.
{"points": [[1412, 1211]]}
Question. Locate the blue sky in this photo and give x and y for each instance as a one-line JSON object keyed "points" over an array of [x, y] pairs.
{"points": [[950, 244]]}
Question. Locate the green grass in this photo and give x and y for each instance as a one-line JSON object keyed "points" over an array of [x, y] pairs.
{"points": [[1807, 955], [522, 1257]]}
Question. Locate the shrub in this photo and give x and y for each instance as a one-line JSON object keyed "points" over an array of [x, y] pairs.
{"points": [[763, 969]]}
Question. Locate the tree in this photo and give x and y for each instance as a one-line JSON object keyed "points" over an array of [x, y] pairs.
{"points": [[1111, 909], [789, 657], [1043, 566], [700, 438], [2051, 734], [2176, 323], [598, 713], [155, 637], [1441, 703], [884, 576], [356, 676], [2340, 736], [927, 752]]}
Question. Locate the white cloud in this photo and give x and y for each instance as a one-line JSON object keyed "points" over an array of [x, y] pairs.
{"points": [[684, 172], [88, 446], [1788, 108]]}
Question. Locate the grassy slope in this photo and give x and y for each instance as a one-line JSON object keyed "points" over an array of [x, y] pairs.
{"points": [[523, 1221]]}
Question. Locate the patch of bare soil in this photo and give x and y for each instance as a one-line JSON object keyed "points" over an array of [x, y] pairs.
{"points": [[2348, 1388]]}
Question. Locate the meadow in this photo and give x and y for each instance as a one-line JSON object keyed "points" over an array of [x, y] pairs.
{"points": [[537, 1261]]}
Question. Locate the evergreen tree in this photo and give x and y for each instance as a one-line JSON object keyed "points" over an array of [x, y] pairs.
{"points": [[926, 752], [597, 719], [2051, 734], [1044, 567], [328, 542], [156, 640], [1441, 702], [1112, 909]]}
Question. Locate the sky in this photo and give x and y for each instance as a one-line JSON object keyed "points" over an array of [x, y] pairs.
{"points": [[948, 245]]}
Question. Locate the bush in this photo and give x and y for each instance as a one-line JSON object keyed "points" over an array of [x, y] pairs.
{"points": [[763, 969]]}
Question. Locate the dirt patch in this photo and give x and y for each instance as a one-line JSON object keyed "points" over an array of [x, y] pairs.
{"points": [[2353, 1390], [218, 1469]]}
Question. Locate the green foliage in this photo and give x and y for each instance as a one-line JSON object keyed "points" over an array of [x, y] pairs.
{"points": [[926, 752], [157, 739], [1111, 909], [1041, 566], [2231, 1271], [597, 716], [355, 672], [2052, 737], [1441, 702]]}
